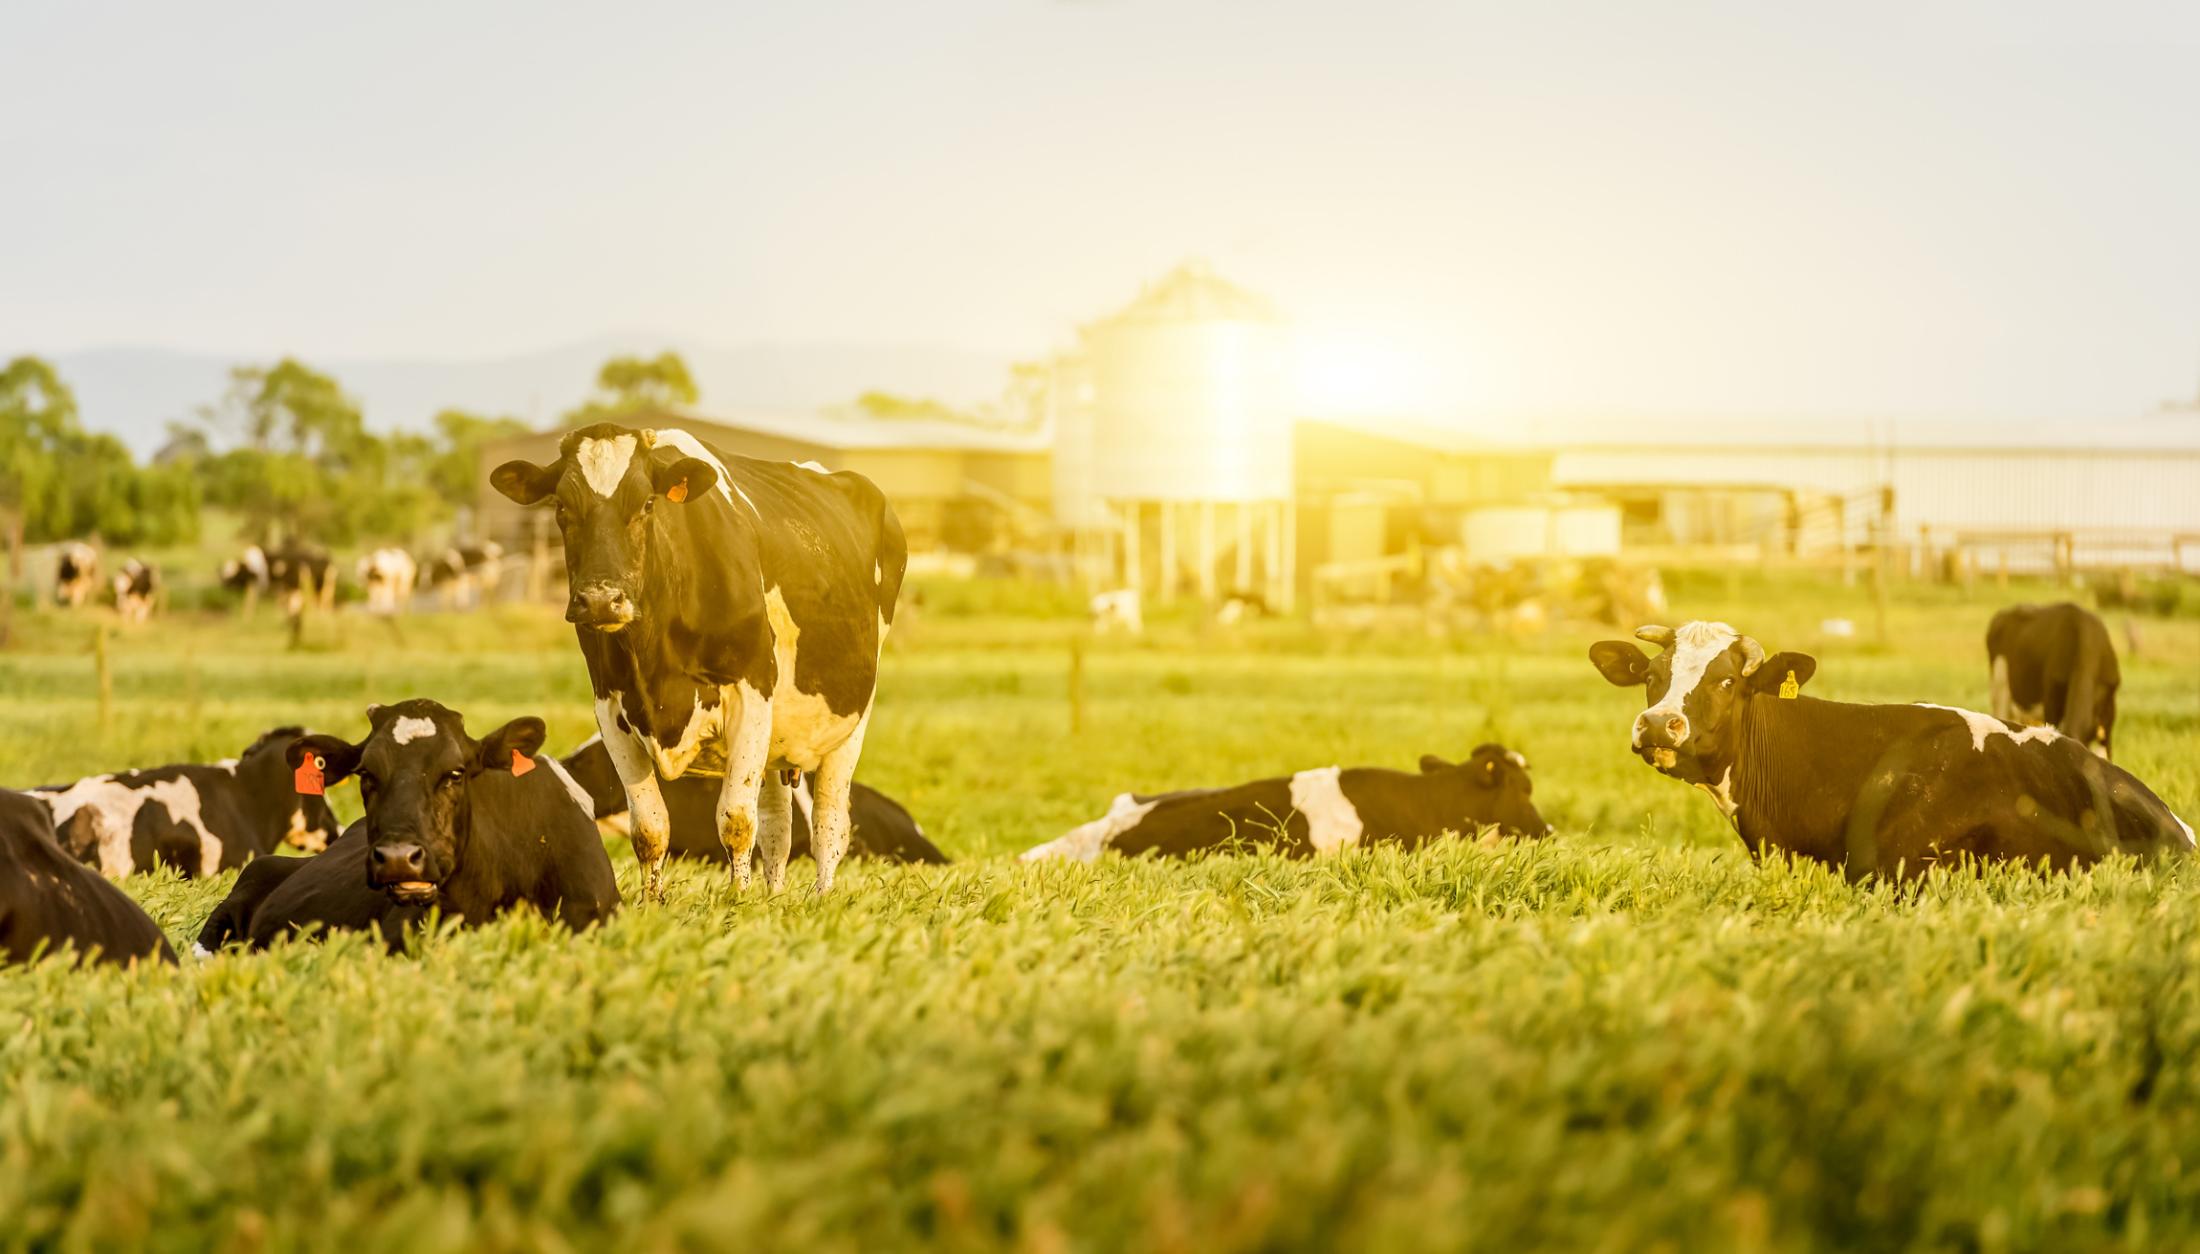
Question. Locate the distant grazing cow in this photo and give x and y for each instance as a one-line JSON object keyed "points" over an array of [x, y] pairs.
{"points": [[49, 901], [879, 827], [198, 819], [466, 573], [76, 573], [1119, 610], [388, 575], [472, 827], [136, 587], [1872, 788], [2055, 665], [734, 632], [299, 571], [1318, 812]]}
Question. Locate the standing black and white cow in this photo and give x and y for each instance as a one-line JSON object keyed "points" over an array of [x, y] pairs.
{"points": [[198, 819], [731, 612], [1318, 812], [1872, 788], [388, 575], [474, 828], [301, 572], [467, 574], [878, 826], [2055, 665], [75, 574], [50, 902], [137, 588]]}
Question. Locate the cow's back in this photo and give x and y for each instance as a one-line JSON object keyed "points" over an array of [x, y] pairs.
{"points": [[48, 899]]}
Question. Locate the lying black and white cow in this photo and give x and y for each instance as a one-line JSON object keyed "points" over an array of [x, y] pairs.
{"points": [[136, 587], [2055, 665], [298, 571], [731, 612], [75, 574], [466, 573], [388, 575], [1318, 812], [198, 819], [50, 901], [473, 828], [1872, 788], [878, 825]]}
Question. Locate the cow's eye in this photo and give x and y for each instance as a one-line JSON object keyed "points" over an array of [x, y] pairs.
{"points": [[565, 516], [453, 777], [1726, 683]]}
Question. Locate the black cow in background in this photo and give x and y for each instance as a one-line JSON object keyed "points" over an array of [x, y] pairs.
{"points": [[731, 612], [75, 573], [2055, 665], [471, 827], [467, 574], [878, 828], [198, 819], [1318, 812], [50, 901], [295, 569]]}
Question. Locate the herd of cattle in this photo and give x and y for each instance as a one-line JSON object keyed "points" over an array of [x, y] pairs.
{"points": [[297, 574], [730, 613]]}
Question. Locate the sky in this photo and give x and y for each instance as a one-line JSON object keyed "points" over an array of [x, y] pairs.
{"points": [[1788, 211]]}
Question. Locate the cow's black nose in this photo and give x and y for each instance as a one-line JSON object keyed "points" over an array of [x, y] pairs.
{"points": [[600, 606], [398, 864]]}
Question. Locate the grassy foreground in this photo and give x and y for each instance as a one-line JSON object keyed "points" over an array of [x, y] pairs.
{"points": [[1622, 1037]]}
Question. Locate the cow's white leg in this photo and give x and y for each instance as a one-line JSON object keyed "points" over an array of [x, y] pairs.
{"points": [[2004, 705], [748, 743], [774, 829], [650, 831], [829, 820]]}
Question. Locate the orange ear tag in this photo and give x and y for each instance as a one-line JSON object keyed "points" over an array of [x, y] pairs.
{"points": [[521, 763], [678, 492], [307, 778]]}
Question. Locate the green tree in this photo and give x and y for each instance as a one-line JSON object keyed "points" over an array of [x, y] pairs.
{"points": [[58, 481], [628, 387], [456, 472]]}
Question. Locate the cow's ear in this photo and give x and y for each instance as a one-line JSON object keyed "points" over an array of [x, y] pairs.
{"points": [[1430, 764], [339, 757], [525, 482], [1620, 661], [685, 480], [1773, 675], [522, 736]]}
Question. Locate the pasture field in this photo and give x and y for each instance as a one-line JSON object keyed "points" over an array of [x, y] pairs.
{"points": [[1625, 1037]]}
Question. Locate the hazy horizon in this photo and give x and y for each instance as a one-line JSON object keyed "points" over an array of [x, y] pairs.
{"points": [[1970, 211]]}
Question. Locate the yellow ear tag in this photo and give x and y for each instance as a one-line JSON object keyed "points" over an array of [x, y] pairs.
{"points": [[1788, 687], [678, 492]]}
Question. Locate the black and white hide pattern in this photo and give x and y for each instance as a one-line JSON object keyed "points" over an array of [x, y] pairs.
{"points": [[466, 574], [388, 575], [1318, 812], [198, 819], [879, 827], [2055, 666], [50, 903], [75, 574], [1872, 789], [137, 590], [731, 612]]}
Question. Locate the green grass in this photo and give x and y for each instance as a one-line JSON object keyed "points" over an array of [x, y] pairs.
{"points": [[1623, 1037]]}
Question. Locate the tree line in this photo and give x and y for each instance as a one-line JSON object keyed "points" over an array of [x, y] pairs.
{"points": [[284, 447]]}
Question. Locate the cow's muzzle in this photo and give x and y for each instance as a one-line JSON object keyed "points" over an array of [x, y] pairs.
{"points": [[601, 606], [1660, 729], [401, 870]]}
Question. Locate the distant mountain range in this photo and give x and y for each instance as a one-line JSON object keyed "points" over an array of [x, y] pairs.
{"points": [[135, 392]]}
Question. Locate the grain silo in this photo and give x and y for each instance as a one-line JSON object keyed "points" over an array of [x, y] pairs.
{"points": [[1173, 447]]}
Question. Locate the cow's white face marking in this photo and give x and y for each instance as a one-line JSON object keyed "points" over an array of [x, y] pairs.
{"points": [[1332, 823], [804, 728], [813, 466], [1087, 841], [604, 463], [406, 729], [1985, 725], [573, 788], [1695, 647]]}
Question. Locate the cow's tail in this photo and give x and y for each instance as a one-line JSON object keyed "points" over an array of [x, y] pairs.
{"points": [[890, 552], [2082, 695]]}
